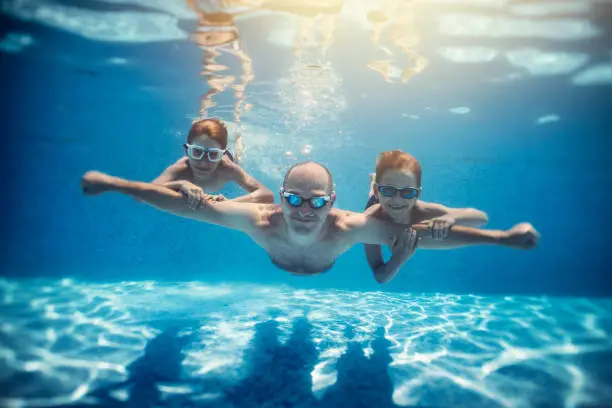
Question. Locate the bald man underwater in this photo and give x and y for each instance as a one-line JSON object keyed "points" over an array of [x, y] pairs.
{"points": [[304, 234]]}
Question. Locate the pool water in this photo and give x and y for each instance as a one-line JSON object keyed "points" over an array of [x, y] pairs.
{"points": [[149, 343]]}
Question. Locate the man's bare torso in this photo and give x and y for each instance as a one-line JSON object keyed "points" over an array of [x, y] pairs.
{"points": [[271, 234]]}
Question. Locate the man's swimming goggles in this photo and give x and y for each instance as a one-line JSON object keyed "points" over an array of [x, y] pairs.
{"points": [[196, 152], [296, 200], [407, 193]]}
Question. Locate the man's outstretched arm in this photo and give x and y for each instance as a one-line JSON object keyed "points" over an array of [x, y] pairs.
{"points": [[240, 216], [521, 236], [368, 229], [467, 217]]}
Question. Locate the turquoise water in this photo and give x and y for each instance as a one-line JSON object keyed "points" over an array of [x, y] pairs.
{"points": [[255, 345], [107, 302]]}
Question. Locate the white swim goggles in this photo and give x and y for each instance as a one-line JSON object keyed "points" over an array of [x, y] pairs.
{"points": [[196, 152]]}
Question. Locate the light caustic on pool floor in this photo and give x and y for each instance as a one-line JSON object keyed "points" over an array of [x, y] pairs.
{"points": [[63, 340]]}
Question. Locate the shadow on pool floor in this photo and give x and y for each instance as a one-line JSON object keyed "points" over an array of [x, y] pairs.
{"points": [[278, 375]]}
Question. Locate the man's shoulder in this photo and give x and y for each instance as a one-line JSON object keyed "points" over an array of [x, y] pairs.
{"points": [[354, 221], [248, 217], [353, 227], [347, 220], [268, 215]]}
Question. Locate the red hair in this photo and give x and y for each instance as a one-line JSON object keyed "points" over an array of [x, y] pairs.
{"points": [[397, 160], [213, 128]]}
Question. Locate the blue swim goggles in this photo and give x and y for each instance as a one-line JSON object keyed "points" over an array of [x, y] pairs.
{"points": [[390, 191], [296, 200]]}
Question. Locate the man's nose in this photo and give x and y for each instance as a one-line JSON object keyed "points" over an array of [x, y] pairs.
{"points": [[305, 210]]}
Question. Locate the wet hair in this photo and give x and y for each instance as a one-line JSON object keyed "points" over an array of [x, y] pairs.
{"points": [[331, 180], [213, 128], [397, 160]]}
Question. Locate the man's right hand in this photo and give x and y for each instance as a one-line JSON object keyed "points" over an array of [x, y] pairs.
{"points": [[95, 182], [194, 194], [522, 236]]}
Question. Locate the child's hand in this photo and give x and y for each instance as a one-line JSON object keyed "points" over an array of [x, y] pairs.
{"points": [[439, 227], [218, 198], [405, 245], [194, 194]]}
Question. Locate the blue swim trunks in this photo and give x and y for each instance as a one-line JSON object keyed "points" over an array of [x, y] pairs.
{"points": [[371, 201]]}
